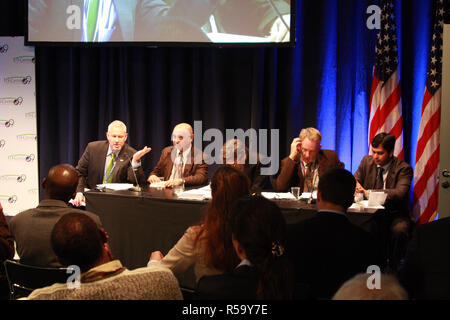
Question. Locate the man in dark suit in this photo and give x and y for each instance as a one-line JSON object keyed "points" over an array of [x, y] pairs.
{"points": [[32, 228], [426, 272], [306, 163], [328, 249], [384, 171], [181, 156], [111, 161]]}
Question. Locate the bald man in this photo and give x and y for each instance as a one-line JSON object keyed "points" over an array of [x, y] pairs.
{"points": [[32, 228], [181, 155]]}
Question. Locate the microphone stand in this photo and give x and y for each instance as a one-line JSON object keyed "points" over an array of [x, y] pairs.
{"points": [[310, 200], [137, 188]]}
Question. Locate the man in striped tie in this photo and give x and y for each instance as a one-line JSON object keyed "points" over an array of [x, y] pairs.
{"points": [[109, 161]]}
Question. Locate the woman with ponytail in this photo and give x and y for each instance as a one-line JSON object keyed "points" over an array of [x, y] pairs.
{"points": [[259, 238]]}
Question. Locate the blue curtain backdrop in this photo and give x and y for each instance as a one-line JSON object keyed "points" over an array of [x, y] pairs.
{"points": [[324, 81]]}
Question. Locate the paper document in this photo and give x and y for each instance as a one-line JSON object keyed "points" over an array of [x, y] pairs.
{"points": [[278, 196], [197, 194], [307, 195], [115, 186], [363, 206], [158, 185]]}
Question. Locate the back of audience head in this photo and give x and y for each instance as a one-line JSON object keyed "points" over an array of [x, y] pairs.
{"points": [[227, 185], [337, 186], [76, 240], [61, 182], [357, 289], [259, 235]]}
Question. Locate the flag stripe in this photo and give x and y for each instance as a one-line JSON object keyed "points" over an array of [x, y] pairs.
{"points": [[431, 126], [430, 210], [426, 173]]}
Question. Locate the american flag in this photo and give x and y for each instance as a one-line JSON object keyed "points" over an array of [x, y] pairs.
{"points": [[426, 173], [385, 97]]}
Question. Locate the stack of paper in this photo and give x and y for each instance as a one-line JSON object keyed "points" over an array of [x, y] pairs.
{"points": [[115, 186], [196, 194], [363, 206], [278, 196]]}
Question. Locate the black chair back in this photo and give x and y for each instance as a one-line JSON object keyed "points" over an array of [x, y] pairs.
{"points": [[23, 279]]}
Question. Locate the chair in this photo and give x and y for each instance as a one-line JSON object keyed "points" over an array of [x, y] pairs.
{"points": [[23, 279]]}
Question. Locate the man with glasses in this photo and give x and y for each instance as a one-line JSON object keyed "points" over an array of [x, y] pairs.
{"points": [[181, 163], [306, 163]]}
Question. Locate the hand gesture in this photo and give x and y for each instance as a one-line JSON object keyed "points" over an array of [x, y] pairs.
{"points": [[139, 154]]}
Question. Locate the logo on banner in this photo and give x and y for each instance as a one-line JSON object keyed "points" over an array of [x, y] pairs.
{"points": [[11, 101], [22, 157], [2, 143], [33, 191], [30, 115], [18, 80], [10, 199], [27, 137], [13, 177], [7, 123], [24, 59], [3, 48]]}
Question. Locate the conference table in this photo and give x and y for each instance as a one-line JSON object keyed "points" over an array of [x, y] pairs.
{"points": [[155, 219]]}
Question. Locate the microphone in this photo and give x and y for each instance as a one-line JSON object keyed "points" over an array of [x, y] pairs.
{"points": [[310, 200], [279, 14], [137, 188]]}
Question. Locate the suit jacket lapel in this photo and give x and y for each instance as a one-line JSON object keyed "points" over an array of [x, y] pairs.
{"points": [[188, 166], [391, 174], [100, 163]]}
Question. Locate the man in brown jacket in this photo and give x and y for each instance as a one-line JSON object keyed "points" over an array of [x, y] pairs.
{"points": [[306, 163], [181, 155]]}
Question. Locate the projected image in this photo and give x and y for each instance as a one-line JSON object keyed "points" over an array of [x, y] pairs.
{"points": [[216, 21]]}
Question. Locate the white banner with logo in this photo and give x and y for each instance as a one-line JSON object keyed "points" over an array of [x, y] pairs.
{"points": [[19, 179]]}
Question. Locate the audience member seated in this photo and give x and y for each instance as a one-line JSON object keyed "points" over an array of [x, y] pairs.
{"points": [[77, 240], [32, 228], [357, 288], [208, 246], [426, 271], [259, 238], [328, 249], [6, 252], [237, 155]]}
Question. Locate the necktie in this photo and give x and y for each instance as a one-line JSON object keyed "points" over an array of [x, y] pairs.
{"points": [[179, 166], [109, 169], [379, 184], [308, 178], [92, 18]]}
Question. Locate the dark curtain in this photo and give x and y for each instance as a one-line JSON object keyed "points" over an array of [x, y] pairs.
{"points": [[323, 81]]}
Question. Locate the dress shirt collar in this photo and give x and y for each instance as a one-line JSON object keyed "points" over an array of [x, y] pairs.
{"points": [[244, 262], [186, 154], [386, 167]]}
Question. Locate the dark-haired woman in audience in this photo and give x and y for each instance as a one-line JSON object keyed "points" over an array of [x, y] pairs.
{"points": [[259, 238], [208, 246]]}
